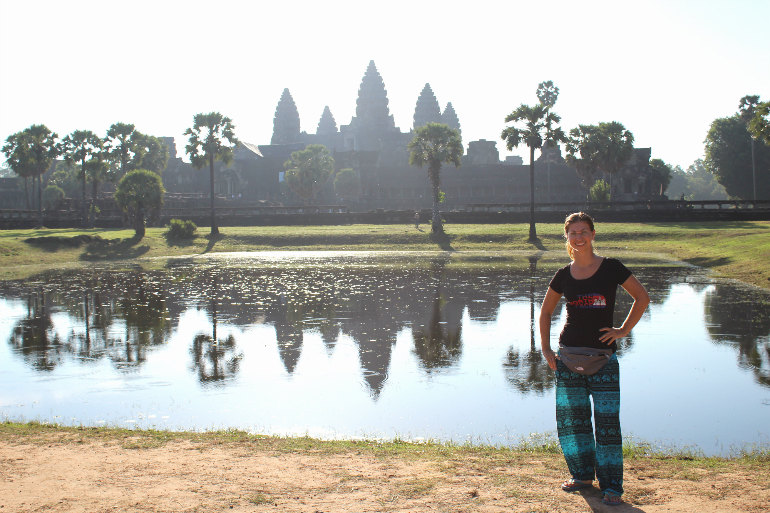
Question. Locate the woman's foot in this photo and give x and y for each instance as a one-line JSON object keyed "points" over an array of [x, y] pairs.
{"points": [[611, 499], [570, 485]]}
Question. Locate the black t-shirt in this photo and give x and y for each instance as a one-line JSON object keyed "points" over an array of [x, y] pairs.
{"points": [[590, 303]]}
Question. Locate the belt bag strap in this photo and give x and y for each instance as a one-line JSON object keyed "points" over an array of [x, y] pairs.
{"points": [[584, 360]]}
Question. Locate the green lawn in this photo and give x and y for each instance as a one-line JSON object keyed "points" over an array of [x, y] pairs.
{"points": [[737, 250]]}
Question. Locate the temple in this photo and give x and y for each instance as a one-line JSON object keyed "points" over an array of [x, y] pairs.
{"points": [[376, 148]]}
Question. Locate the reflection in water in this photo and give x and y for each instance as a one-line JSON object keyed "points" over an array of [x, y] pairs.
{"points": [[33, 337], [529, 372], [215, 360], [437, 341], [355, 345], [740, 318], [125, 315]]}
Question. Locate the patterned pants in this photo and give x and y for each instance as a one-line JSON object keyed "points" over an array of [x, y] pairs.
{"points": [[587, 456]]}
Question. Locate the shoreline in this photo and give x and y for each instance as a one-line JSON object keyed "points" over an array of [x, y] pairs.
{"points": [[98, 469], [730, 250]]}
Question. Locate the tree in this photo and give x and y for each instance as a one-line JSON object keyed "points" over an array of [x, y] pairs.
{"points": [[308, 170], [67, 177], [728, 158], [52, 196], [435, 144], [661, 176], [695, 184], [137, 192], [32, 152], [153, 152], [599, 191], [79, 146], [760, 126], [703, 184], [207, 144], [535, 125], [98, 170], [547, 93], [746, 109], [347, 183], [122, 145], [604, 148], [583, 151], [16, 150]]}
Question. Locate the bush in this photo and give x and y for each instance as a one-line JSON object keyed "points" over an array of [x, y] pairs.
{"points": [[600, 191], [178, 229], [52, 196]]}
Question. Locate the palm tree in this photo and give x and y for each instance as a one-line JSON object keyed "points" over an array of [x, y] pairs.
{"points": [[747, 109], [80, 146], [41, 150], [16, 150], [122, 144], [97, 170], [604, 148], [616, 147], [536, 124], [435, 144], [308, 171], [207, 144]]}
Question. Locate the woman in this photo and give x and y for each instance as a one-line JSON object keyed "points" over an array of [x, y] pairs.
{"points": [[586, 364]]}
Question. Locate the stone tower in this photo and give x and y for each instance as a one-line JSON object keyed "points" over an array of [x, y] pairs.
{"points": [[449, 117], [372, 112], [427, 109], [286, 120], [327, 125]]}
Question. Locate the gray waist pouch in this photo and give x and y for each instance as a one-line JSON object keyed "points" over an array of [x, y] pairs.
{"points": [[584, 360]]}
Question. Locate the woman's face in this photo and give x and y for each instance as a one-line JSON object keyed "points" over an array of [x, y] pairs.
{"points": [[580, 236]]}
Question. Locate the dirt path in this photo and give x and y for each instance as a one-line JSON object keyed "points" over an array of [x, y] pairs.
{"points": [[57, 474]]}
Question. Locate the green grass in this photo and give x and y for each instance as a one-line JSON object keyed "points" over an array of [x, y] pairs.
{"points": [[541, 445], [736, 250]]}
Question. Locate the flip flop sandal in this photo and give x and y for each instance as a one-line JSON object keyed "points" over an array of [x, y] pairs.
{"points": [[574, 484], [607, 499]]}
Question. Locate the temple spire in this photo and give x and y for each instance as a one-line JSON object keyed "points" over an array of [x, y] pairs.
{"points": [[449, 117], [372, 110], [427, 109], [286, 120], [326, 125]]}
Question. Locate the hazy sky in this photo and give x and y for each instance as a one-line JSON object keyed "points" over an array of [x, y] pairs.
{"points": [[664, 69]]}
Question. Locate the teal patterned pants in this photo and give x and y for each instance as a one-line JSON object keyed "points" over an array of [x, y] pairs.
{"points": [[591, 452]]}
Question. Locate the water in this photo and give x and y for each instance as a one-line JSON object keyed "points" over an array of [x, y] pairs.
{"points": [[344, 346]]}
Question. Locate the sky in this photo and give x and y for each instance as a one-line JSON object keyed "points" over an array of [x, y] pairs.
{"points": [[665, 69]]}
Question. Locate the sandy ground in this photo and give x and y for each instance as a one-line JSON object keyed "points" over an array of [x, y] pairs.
{"points": [[102, 476]]}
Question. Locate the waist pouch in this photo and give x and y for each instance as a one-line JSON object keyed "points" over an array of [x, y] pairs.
{"points": [[584, 360]]}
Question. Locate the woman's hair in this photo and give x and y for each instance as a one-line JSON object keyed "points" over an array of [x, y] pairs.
{"points": [[574, 218]]}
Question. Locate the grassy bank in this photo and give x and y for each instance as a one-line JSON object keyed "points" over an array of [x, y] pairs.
{"points": [[735, 250]]}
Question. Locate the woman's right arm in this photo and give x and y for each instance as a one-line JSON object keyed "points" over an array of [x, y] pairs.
{"points": [[546, 311]]}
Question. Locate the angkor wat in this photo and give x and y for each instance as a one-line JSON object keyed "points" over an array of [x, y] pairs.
{"points": [[376, 148]]}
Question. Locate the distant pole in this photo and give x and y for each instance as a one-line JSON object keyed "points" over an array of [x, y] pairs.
{"points": [[753, 170]]}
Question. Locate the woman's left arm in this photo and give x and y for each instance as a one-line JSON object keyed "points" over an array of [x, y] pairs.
{"points": [[641, 300]]}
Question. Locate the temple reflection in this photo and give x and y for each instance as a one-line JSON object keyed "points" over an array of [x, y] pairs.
{"points": [[125, 315]]}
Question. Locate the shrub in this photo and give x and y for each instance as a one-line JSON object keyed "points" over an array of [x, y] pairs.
{"points": [[178, 229], [52, 196], [600, 191]]}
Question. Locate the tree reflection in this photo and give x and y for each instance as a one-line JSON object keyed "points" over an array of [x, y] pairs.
{"points": [[123, 315], [740, 318], [33, 336], [214, 360], [529, 372], [438, 341]]}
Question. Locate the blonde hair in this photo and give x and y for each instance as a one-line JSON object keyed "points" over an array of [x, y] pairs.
{"points": [[574, 218]]}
